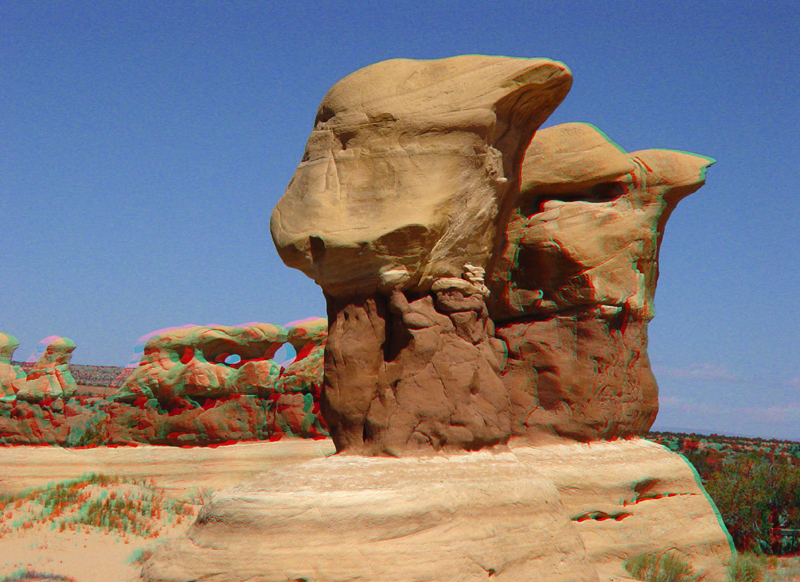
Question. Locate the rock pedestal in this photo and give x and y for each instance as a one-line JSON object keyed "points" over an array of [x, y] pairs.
{"points": [[415, 374], [466, 517], [51, 377], [561, 512], [12, 378]]}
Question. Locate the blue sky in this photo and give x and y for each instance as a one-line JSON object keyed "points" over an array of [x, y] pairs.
{"points": [[144, 145]]}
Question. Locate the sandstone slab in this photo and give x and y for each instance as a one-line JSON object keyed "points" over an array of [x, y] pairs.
{"points": [[464, 517], [629, 497], [469, 516]]}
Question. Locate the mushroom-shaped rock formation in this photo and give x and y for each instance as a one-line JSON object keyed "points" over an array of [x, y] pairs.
{"points": [[51, 377], [573, 289], [394, 211], [407, 197], [12, 378], [193, 362]]}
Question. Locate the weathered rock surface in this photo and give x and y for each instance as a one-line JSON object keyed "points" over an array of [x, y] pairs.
{"points": [[629, 497], [196, 363], [51, 378], [409, 167], [554, 512], [394, 211], [176, 396], [573, 290], [190, 362], [296, 392], [467, 517], [83, 421], [12, 377], [411, 374]]}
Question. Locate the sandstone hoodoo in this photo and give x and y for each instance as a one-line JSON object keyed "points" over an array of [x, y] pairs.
{"points": [[479, 285], [12, 377], [419, 179], [51, 377], [405, 187]]}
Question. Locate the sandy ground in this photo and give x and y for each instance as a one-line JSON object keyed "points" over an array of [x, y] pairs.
{"points": [[91, 554]]}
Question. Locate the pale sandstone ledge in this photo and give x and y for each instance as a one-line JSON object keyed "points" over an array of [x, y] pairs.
{"points": [[173, 469], [553, 512], [633, 496]]}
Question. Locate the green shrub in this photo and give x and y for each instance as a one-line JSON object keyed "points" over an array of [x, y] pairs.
{"points": [[746, 568], [756, 498], [661, 567]]}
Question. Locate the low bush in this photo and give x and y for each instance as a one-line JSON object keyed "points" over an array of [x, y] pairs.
{"points": [[124, 506], [661, 567], [746, 568]]}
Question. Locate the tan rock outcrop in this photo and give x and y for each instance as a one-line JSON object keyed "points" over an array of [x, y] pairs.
{"points": [[51, 377], [573, 290], [567, 511], [191, 362], [465, 517], [12, 377], [409, 167], [409, 171]]}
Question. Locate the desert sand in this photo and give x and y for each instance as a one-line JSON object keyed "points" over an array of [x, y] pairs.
{"points": [[96, 554]]}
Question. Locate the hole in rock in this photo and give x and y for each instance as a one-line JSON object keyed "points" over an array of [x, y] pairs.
{"points": [[603, 192], [286, 354], [233, 359]]}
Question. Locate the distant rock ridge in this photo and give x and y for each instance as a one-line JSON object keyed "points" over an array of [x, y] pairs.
{"points": [[175, 396], [85, 374]]}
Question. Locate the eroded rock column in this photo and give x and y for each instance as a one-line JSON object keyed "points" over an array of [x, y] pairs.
{"points": [[51, 376], [408, 177], [12, 377]]}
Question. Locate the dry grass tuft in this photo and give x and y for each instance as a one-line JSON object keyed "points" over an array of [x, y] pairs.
{"points": [[122, 506], [661, 567]]}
